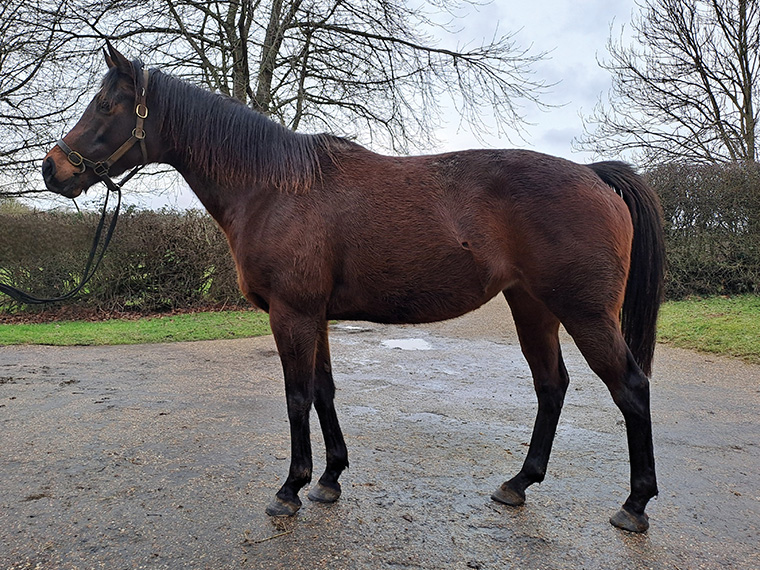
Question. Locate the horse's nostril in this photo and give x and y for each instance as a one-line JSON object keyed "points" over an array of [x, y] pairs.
{"points": [[48, 168]]}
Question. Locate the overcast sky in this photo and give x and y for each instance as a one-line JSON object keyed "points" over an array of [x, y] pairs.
{"points": [[575, 33]]}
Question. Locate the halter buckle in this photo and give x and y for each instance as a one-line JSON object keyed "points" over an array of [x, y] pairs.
{"points": [[101, 169], [75, 158], [141, 111]]}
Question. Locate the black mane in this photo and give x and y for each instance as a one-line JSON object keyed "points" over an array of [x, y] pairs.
{"points": [[226, 141]]}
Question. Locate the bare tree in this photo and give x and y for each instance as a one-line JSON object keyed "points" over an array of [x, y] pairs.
{"points": [[688, 89], [364, 66], [44, 72]]}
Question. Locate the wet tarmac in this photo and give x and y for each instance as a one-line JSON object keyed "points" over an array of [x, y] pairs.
{"points": [[165, 456]]}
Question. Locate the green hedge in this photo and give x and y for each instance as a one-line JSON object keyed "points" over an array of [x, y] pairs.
{"points": [[712, 228], [156, 261]]}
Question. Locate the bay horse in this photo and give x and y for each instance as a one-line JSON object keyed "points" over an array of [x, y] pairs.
{"points": [[321, 228]]}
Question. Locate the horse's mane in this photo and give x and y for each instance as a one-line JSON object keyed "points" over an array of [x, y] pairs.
{"points": [[229, 143]]}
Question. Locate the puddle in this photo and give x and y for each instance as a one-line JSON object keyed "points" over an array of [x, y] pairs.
{"points": [[351, 328], [407, 344]]}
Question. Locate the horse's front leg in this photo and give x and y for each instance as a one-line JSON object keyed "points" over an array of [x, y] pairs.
{"points": [[296, 335], [327, 490]]}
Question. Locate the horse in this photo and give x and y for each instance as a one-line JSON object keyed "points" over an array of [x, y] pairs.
{"points": [[322, 228]]}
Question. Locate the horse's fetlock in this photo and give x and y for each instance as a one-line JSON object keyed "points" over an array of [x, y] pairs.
{"points": [[534, 473], [302, 475], [337, 460], [645, 489]]}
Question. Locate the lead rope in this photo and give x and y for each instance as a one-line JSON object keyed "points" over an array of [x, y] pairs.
{"points": [[89, 268]]}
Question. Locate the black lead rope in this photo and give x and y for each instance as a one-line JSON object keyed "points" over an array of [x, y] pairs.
{"points": [[93, 260]]}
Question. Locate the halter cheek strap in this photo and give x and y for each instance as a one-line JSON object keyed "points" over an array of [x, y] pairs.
{"points": [[102, 167]]}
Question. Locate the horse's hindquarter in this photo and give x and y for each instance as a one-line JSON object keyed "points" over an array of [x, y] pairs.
{"points": [[571, 233]]}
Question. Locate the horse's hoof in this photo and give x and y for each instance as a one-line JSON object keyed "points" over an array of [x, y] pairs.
{"points": [[629, 521], [323, 494], [508, 496], [280, 508]]}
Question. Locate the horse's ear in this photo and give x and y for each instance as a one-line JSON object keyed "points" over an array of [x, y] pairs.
{"points": [[109, 61], [115, 59]]}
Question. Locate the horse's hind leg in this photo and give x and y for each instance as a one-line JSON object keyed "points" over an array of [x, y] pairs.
{"points": [[538, 330], [327, 490], [602, 345]]}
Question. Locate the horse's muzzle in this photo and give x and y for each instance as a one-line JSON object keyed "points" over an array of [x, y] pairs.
{"points": [[70, 188]]}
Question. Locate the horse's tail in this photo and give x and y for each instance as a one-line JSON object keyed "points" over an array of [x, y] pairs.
{"points": [[646, 276]]}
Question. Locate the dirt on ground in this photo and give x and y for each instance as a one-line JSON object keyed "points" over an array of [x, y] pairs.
{"points": [[165, 456]]}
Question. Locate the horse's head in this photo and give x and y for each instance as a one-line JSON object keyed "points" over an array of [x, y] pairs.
{"points": [[109, 138]]}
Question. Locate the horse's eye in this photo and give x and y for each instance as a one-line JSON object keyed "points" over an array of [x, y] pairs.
{"points": [[104, 106]]}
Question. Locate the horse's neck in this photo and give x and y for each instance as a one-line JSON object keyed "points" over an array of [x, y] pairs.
{"points": [[223, 203]]}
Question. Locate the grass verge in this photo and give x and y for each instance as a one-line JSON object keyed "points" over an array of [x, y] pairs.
{"points": [[175, 328], [721, 325]]}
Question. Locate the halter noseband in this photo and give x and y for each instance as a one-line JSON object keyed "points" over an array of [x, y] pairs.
{"points": [[101, 167]]}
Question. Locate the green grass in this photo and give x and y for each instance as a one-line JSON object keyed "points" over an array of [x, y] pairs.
{"points": [[721, 325], [176, 328], [728, 326]]}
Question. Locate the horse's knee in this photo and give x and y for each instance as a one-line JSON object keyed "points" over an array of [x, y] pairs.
{"points": [[299, 404]]}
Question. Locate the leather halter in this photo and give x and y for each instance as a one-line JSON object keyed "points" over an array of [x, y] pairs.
{"points": [[102, 167]]}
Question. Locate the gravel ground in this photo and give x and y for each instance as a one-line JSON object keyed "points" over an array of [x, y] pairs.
{"points": [[165, 456]]}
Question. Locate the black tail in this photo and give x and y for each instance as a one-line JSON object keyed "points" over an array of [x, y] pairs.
{"points": [[646, 277]]}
